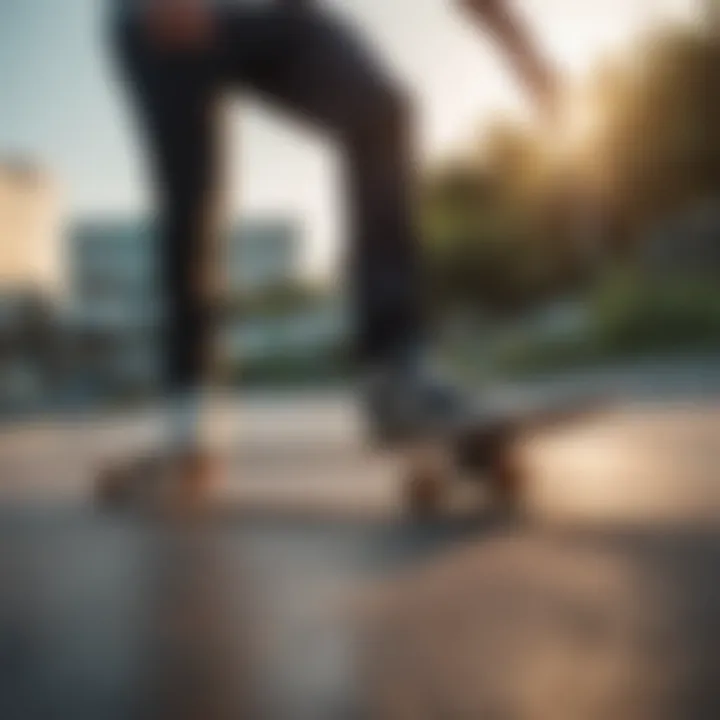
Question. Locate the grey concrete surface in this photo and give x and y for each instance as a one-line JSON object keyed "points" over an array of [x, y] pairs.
{"points": [[306, 594]]}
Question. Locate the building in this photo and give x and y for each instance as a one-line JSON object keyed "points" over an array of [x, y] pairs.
{"points": [[30, 231], [114, 305], [262, 254], [115, 301], [32, 282]]}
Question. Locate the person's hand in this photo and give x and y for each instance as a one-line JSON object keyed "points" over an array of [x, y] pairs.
{"points": [[179, 24]]}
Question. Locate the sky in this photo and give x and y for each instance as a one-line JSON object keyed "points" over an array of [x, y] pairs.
{"points": [[60, 106]]}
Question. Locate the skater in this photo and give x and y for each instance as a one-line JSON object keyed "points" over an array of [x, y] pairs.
{"points": [[178, 58]]}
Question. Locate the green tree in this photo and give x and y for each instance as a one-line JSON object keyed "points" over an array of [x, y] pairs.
{"points": [[504, 226], [659, 149], [493, 223]]}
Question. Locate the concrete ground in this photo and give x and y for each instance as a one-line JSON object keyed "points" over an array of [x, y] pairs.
{"points": [[307, 594]]}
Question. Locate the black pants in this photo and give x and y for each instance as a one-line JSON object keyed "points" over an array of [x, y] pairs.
{"points": [[310, 64]]}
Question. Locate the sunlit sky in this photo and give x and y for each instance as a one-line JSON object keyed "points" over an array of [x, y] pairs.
{"points": [[58, 106]]}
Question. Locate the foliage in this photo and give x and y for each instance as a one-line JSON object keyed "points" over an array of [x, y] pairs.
{"points": [[658, 148], [489, 224], [321, 367], [273, 301], [509, 225], [634, 314], [628, 316]]}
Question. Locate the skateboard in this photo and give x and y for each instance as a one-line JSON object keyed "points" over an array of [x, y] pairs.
{"points": [[152, 481], [485, 451]]}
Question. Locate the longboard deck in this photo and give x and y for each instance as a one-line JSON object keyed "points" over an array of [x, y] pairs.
{"points": [[502, 424], [485, 450]]}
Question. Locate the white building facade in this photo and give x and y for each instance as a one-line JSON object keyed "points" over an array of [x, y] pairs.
{"points": [[116, 303], [31, 257], [32, 287]]}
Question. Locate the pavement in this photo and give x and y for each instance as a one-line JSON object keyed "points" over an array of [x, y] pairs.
{"points": [[308, 594]]}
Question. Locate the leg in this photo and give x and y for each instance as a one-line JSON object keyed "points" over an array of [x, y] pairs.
{"points": [[313, 66], [175, 98], [310, 64]]}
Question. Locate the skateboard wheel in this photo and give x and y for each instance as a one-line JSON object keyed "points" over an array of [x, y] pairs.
{"points": [[117, 485], [424, 493], [506, 480], [427, 482], [109, 488], [157, 482]]}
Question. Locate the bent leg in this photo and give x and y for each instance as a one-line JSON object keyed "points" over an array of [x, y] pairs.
{"points": [[315, 67]]}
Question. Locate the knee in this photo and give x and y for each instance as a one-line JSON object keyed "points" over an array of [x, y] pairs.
{"points": [[386, 118]]}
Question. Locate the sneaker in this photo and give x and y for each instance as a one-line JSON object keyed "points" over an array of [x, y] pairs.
{"points": [[406, 398]]}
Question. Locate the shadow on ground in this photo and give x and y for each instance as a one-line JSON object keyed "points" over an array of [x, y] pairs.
{"points": [[247, 615]]}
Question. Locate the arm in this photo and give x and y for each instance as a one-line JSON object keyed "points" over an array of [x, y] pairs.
{"points": [[534, 70]]}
